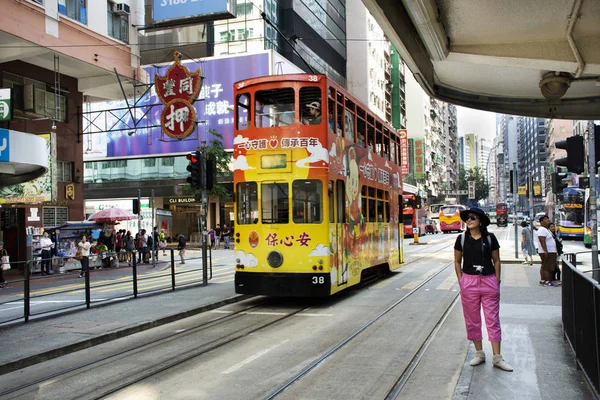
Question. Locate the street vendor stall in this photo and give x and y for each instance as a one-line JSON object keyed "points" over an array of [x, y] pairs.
{"points": [[66, 238]]}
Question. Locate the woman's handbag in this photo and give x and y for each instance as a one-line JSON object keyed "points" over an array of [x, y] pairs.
{"points": [[5, 261], [79, 255]]}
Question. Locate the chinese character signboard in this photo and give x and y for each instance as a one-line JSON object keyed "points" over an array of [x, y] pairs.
{"points": [[5, 105], [214, 106], [472, 190], [419, 158], [403, 151], [177, 90]]}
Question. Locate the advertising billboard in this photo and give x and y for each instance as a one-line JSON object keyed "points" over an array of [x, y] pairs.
{"points": [[192, 10], [214, 109], [419, 158], [40, 190]]}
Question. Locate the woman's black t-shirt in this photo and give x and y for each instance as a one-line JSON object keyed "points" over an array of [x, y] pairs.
{"points": [[477, 252]]}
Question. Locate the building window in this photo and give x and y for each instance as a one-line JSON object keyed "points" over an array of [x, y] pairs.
{"points": [[54, 216], [118, 22], [64, 171], [74, 9]]}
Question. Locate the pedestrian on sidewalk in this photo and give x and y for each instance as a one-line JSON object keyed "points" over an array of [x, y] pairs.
{"points": [[3, 253], [527, 246], [479, 279], [211, 236], [226, 236], [84, 247], [218, 233], [547, 251], [47, 245], [129, 247], [559, 251], [181, 247]]}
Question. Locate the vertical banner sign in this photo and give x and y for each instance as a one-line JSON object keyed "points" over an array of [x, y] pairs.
{"points": [[177, 90], [5, 105], [403, 151], [472, 190], [419, 158]]}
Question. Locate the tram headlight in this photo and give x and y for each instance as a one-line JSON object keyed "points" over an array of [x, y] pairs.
{"points": [[275, 259]]}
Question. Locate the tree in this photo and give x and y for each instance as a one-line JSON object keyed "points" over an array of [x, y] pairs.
{"points": [[214, 151]]}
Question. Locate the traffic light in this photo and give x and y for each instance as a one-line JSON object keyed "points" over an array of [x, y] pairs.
{"points": [[195, 167], [557, 182], [418, 202], [575, 154], [210, 174], [136, 206], [511, 180]]}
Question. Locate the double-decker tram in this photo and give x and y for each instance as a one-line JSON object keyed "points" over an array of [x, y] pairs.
{"points": [[571, 215], [414, 215], [502, 214], [317, 186], [450, 218]]}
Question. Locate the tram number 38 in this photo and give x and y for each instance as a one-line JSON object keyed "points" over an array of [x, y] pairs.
{"points": [[318, 280]]}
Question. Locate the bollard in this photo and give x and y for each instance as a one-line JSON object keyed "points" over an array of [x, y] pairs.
{"points": [[416, 235], [134, 281]]}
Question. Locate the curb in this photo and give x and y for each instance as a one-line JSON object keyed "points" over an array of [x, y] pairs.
{"points": [[84, 344]]}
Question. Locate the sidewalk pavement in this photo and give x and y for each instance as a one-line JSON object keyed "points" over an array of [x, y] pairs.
{"points": [[530, 315]]}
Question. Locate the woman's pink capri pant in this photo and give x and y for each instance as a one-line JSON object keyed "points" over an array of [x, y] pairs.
{"points": [[478, 291]]}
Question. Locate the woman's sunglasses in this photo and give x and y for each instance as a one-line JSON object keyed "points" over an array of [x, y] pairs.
{"points": [[472, 217]]}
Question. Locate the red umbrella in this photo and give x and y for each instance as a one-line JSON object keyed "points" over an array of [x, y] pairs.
{"points": [[112, 215]]}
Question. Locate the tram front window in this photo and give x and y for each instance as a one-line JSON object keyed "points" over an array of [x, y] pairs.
{"points": [[247, 203], [275, 107], [275, 208]]}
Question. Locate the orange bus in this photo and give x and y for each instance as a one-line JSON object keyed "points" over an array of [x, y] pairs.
{"points": [[450, 218], [317, 186]]}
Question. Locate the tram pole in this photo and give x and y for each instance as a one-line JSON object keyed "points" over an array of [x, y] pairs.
{"points": [[514, 188], [593, 199]]}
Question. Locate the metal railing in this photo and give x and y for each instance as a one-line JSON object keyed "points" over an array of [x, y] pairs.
{"points": [[581, 318], [45, 291]]}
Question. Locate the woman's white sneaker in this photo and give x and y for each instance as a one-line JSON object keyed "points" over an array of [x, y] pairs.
{"points": [[478, 359], [499, 362]]}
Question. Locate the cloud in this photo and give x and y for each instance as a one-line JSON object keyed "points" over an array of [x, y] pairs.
{"points": [[248, 260], [239, 139], [317, 153], [320, 250], [241, 163]]}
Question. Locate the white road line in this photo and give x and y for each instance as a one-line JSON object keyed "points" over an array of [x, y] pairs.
{"points": [[252, 358]]}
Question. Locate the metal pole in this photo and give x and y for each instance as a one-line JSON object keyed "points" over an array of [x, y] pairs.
{"points": [[27, 291], [153, 249], [593, 199], [134, 273], [530, 185], [514, 190], [139, 210], [203, 230]]}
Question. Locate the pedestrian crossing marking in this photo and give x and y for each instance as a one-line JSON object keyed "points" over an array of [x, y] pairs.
{"points": [[447, 283], [414, 284]]}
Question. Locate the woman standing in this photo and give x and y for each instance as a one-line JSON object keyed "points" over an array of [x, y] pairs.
{"points": [[3, 253], [84, 247], [479, 281], [559, 251], [129, 247], [527, 246], [46, 244]]}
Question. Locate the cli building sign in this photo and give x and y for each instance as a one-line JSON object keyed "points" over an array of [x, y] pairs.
{"points": [[176, 12]]}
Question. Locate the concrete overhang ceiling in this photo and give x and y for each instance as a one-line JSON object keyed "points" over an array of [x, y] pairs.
{"points": [[523, 57], [95, 82]]}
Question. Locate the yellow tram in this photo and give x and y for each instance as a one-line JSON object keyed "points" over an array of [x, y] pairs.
{"points": [[317, 185]]}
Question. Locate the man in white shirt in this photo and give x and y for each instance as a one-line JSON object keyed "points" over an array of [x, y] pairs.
{"points": [[46, 246], [547, 251]]}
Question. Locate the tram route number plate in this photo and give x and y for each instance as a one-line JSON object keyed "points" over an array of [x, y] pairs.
{"points": [[318, 280]]}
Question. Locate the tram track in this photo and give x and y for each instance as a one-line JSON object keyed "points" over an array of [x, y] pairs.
{"points": [[102, 391], [403, 378], [200, 350]]}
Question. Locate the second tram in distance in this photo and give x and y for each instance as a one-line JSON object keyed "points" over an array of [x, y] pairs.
{"points": [[318, 188]]}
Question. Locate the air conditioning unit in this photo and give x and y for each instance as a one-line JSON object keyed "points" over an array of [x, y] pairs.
{"points": [[121, 9]]}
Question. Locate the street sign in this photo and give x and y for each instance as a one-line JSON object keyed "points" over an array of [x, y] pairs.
{"points": [[456, 192], [472, 190], [5, 105]]}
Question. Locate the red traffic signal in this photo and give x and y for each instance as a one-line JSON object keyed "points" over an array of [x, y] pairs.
{"points": [[195, 168]]}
